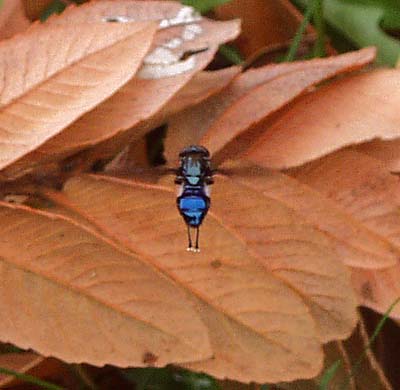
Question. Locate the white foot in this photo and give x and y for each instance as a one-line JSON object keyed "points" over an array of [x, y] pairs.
{"points": [[194, 250]]}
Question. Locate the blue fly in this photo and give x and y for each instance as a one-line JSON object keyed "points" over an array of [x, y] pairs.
{"points": [[194, 176]]}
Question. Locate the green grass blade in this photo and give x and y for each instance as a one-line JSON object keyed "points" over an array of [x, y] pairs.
{"points": [[319, 24], [329, 374], [363, 23], [30, 379], [331, 371], [375, 334], [309, 12], [231, 54]]}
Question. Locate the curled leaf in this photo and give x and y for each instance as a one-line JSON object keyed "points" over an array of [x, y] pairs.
{"points": [[60, 85], [335, 116], [295, 252], [371, 194], [386, 151], [264, 23], [137, 107], [269, 97], [12, 18], [356, 245], [251, 98], [200, 87]]}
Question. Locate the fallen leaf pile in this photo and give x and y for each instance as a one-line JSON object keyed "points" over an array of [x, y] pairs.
{"points": [[305, 215]]}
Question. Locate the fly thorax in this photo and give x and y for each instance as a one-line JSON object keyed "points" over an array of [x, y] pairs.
{"points": [[193, 180]]}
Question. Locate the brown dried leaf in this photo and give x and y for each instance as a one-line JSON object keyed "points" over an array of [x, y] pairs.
{"points": [[378, 289], [246, 285], [20, 362], [39, 100], [269, 97], [386, 151], [336, 115], [242, 340], [368, 374], [107, 305], [139, 105], [32, 364], [265, 22], [355, 372], [361, 185], [12, 18], [35, 8], [200, 87], [252, 97], [293, 250], [355, 244], [364, 188]]}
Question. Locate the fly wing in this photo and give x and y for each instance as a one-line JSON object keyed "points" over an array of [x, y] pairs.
{"points": [[241, 170], [147, 174]]}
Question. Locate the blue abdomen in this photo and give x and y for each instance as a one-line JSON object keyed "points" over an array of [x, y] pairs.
{"points": [[193, 205]]}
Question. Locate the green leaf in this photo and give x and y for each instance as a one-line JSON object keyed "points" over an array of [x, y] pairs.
{"points": [[363, 23], [360, 22], [231, 54], [150, 378], [169, 379], [194, 381], [10, 348], [55, 7], [204, 6]]}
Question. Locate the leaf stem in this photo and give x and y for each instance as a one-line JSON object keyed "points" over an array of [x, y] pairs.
{"points": [[84, 377]]}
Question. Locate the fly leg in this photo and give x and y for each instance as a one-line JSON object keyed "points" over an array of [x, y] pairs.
{"points": [[196, 248], [190, 247]]}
